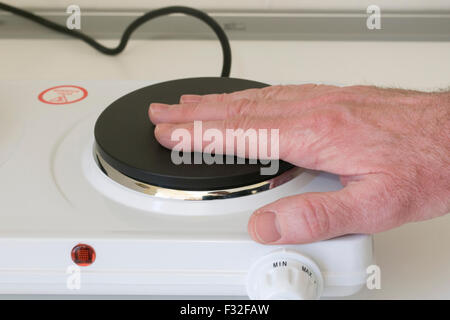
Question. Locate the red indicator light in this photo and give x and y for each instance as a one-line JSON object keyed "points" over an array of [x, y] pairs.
{"points": [[83, 255]]}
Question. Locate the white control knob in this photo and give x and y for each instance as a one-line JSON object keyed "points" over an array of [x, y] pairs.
{"points": [[284, 274]]}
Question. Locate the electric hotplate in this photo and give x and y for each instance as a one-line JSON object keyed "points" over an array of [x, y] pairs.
{"points": [[126, 145], [62, 218]]}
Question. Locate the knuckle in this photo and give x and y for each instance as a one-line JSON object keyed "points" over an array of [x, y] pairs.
{"points": [[188, 111], [314, 217], [215, 97], [273, 91], [221, 97], [239, 108], [254, 92]]}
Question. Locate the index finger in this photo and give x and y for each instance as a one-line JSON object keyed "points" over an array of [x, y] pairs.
{"points": [[277, 92]]}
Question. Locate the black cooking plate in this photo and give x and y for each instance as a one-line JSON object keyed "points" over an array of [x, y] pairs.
{"points": [[125, 140]]}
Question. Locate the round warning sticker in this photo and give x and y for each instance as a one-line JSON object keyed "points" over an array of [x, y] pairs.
{"points": [[63, 95]]}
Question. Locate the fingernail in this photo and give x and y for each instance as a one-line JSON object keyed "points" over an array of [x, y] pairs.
{"points": [[156, 108], [190, 98], [161, 129], [266, 227], [162, 133]]}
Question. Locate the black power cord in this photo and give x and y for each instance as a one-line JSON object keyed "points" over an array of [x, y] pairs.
{"points": [[226, 50]]}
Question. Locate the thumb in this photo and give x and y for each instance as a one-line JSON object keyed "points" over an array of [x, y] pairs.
{"points": [[312, 217]]}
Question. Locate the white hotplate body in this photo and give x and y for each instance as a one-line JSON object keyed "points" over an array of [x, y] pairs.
{"points": [[53, 197]]}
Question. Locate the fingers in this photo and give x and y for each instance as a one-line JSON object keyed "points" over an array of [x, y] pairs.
{"points": [[302, 219], [278, 92], [313, 217], [266, 102], [307, 140], [240, 137], [207, 111]]}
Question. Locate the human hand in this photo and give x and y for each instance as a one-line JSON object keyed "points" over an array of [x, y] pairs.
{"points": [[391, 149]]}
